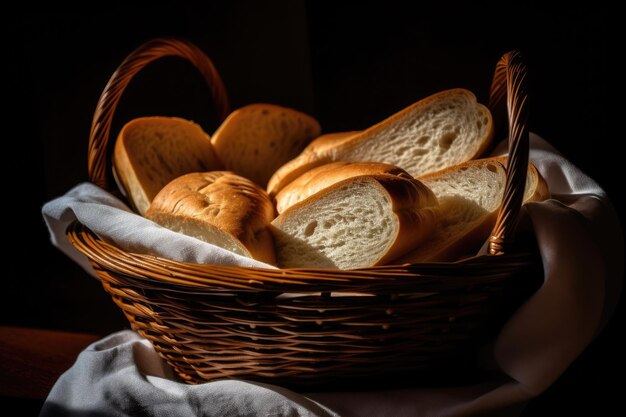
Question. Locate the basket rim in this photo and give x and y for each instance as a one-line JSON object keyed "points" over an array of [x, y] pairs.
{"points": [[148, 268]]}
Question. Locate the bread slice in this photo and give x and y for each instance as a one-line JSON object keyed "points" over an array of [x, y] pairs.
{"points": [[152, 151], [442, 130], [257, 139], [220, 208], [324, 176], [470, 196], [355, 223]]}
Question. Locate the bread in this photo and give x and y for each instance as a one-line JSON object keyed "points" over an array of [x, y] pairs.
{"points": [[470, 196], [329, 140], [444, 129], [321, 177], [152, 151], [355, 223], [257, 139], [220, 208]]}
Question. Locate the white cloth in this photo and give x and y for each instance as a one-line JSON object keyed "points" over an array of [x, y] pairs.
{"points": [[582, 252], [115, 223]]}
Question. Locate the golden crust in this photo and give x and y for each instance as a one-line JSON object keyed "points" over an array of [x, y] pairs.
{"points": [[321, 177], [541, 192], [219, 200]]}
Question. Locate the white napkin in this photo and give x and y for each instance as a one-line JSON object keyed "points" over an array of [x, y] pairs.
{"points": [[582, 251], [115, 223]]}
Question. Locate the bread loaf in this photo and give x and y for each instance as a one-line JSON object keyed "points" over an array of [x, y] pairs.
{"points": [[444, 129], [152, 151], [220, 208], [257, 139], [355, 223], [329, 140], [470, 196], [324, 176]]}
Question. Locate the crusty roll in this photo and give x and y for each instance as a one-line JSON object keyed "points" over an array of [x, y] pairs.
{"points": [[220, 208], [324, 176], [470, 197], [355, 223], [152, 151], [258, 138], [442, 130]]}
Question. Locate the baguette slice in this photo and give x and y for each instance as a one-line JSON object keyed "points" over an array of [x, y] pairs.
{"points": [[324, 176], [257, 139], [355, 223], [470, 196], [152, 151], [442, 130], [220, 208]]}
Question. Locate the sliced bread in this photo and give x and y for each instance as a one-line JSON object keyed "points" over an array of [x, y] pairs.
{"points": [[470, 196], [152, 151], [257, 139], [324, 176], [220, 208], [442, 130], [355, 223]]}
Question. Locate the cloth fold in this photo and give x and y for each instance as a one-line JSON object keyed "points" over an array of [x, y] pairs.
{"points": [[581, 246], [114, 222]]}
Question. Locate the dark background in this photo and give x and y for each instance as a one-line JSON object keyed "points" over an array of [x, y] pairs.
{"points": [[349, 64]]}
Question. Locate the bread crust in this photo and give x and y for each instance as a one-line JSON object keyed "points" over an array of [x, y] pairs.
{"points": [[233, 207], [323, 176], [542, 191]]}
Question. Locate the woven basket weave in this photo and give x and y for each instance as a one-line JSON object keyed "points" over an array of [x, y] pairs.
{"points": [[212, 321]]}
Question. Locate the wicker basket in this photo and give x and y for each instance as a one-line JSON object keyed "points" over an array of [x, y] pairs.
{"points": [[211, 321]]}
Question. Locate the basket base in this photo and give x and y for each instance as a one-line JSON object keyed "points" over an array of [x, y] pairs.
{"points": [[396, 326]]}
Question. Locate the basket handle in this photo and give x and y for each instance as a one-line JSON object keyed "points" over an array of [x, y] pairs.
{"points": [[99, 136], [509, 83]]}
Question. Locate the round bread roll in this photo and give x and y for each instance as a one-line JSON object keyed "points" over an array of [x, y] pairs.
{"points": [[220, 208]]}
